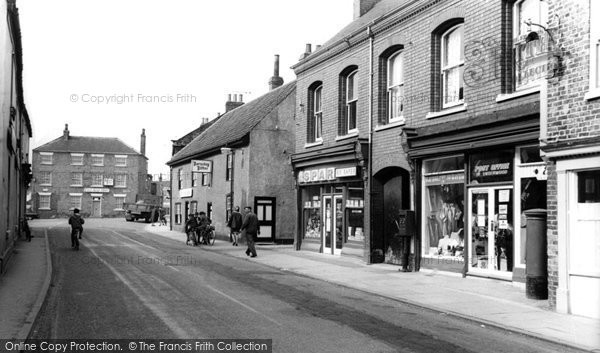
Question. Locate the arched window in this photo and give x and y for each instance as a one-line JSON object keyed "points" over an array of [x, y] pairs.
{"points": [[347, 121], [452, 66], [315, 113], [395, 87]]}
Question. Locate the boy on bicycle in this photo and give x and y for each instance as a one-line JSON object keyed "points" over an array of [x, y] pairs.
{"points": [[76, 222]]}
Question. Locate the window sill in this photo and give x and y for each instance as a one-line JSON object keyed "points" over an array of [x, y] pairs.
{"points": [[44, 208], [76, 186], [121, 166], [448, 111], [313, 144], [344, 137], [120, 187], [390, 125], [592, 94], [79, 164], [45, 184], [521, 93], [96, 186]]}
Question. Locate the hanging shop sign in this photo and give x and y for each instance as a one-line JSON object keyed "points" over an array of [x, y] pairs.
{"points": [[325, 174], [201, 166], [491, 167]]}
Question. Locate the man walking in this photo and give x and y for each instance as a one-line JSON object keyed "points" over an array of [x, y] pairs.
{"points": [[235, 224], [250, 229], [76, 222]]}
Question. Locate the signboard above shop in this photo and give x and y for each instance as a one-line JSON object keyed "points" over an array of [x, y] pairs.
{"points": [[325, 174], [96, 190], [491, 167], [201, 166]]}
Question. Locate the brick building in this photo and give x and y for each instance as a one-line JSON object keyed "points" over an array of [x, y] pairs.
{"points": [[15, 132], [572, 145], [241, 159], [95, 174], [432, 107]]}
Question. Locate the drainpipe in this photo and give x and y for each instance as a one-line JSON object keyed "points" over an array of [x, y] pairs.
{"points": [[370, 163]]}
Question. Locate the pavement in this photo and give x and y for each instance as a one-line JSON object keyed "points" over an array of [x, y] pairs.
{"points": [[489, 302]]}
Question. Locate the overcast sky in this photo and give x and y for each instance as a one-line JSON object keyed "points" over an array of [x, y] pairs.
{"points": [[189, 53]]}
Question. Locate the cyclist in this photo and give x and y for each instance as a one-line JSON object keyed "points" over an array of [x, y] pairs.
{"points": [[203, 227], [191, 228], [76, 222]]}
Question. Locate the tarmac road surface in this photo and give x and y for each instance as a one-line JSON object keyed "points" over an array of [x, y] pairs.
{"points": [[127, 283]]}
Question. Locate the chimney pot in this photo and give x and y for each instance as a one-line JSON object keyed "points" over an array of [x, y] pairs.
{"points": [[241, 99], [308, 49], [235, 97], [143, 142], [66, 132], [276, 80], [229, 97]]}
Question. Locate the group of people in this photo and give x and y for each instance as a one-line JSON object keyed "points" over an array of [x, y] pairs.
{"points": [[158, 214], [247, 225], [197, 227]]}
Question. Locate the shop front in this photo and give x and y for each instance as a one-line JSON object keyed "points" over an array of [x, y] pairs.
{"points": [[332, 210], [331, 206], [473, 210]]}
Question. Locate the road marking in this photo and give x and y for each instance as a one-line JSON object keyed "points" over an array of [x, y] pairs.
{"points": [[161, 314], [242, 304]]}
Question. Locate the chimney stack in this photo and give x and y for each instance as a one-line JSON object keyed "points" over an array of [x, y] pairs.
{"points": [[143, 142], [361, 7], [307, 51], [204, 121], [66, 132], [232, 104], [276, 80]]}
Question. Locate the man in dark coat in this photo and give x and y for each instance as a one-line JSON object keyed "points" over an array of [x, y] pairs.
{"points": [[250, 229], [76, 222], [191, 226], [235, 224]]}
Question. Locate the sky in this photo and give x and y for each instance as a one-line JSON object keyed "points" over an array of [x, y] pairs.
{"points": [[112, 67]]}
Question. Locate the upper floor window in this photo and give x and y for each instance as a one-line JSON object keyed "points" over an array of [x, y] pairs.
{"points": [[315, 114], [44, 200], [595, 47], [195, 179], [98, 159], [206, 179], [120, 180], [46, 157], [120, 161], [531, 43], [76, 158], [45, 178], [452, 65], [395, 88], [97, 179], [179, 179], [77, 179], [351, 101], [75, 200]]}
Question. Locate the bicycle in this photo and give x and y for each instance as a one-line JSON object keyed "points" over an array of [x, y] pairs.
{"points": [[207, 236]]}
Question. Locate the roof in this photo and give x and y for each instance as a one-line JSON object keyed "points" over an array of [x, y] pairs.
{"points": [[187, 138], [382, 9], [234, 125], [87, 144]]}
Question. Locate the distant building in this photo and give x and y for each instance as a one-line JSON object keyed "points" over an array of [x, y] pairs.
{"points": [[15, 133], [95, 174], [241, 159]]}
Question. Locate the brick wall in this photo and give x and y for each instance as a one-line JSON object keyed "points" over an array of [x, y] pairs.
{"points": [[572, 119], [61, 170]]}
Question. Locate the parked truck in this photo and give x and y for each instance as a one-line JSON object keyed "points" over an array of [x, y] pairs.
{"points": [[141, 210]]}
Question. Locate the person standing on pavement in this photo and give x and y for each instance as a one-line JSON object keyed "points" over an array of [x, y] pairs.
{"points": [[235, 224], [191, 226], [76, 222], [250, 229]]}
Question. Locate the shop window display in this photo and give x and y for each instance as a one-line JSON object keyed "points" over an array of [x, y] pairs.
{"points": [[443, 223], [355, 214], [312, 213]]}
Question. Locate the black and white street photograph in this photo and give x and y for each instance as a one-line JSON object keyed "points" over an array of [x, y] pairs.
{"points": [[300, 176]]}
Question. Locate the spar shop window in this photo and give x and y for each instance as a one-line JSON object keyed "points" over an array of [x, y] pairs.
{"points": [[491, 167]]}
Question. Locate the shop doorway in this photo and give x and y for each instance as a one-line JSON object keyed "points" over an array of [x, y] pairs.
{"points": [[96, 206], [491, 230], [333, 224], [265, 212]]}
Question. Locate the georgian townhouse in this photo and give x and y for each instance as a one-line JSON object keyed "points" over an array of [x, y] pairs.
{"points": [[241, 159], [94, 174], [429, 106], [571, 143], [16, 132]]}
